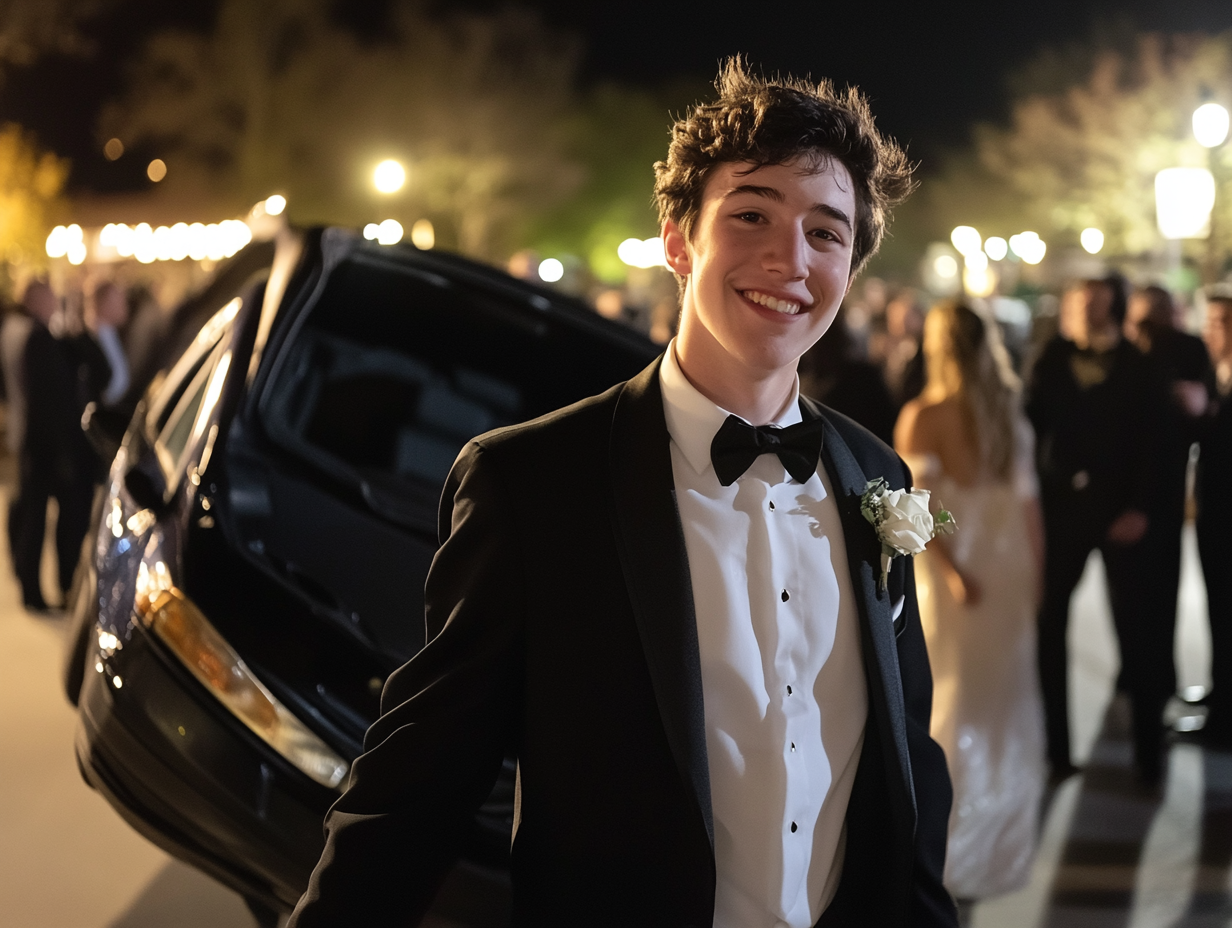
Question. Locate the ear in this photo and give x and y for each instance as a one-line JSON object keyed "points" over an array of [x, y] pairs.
{"points": [[676, 249]]}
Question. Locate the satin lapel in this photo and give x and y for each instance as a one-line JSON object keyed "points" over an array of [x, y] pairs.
{"points": [[875, 606], [656, 570]]}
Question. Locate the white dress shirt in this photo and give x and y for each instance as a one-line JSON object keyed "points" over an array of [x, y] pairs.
{"points": [[113, 350], [782, 677]]}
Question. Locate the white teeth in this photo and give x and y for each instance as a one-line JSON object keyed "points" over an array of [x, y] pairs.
{"points": [[787, 307]]}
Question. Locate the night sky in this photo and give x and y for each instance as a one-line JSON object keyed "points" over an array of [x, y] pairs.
{"points": [[932, 69]]}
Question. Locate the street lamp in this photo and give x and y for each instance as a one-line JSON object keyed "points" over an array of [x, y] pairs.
{"points": [[1210, 125], [389, 176]]}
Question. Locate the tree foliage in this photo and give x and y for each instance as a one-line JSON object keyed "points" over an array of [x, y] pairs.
{"points": [[30, 184], [1086, 153], [279, 98], [30, 28]]}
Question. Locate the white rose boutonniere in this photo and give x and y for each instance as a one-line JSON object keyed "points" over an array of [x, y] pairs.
{"points": [[902, 521]]}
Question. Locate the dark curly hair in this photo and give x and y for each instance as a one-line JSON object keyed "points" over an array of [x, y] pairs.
{"points": [[777, 121]]}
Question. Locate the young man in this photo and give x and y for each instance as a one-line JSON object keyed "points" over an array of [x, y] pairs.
{"points": [[672, 619], [1095, 406]]}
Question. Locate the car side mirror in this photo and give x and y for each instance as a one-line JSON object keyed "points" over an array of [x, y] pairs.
{"points": [[147, 485]]}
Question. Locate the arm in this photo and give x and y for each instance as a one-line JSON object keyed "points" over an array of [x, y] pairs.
{"points": [[917, 433], [448, 717], [1150, 399], [1034, 518]]}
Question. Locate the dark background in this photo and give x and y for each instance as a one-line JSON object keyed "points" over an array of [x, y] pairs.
{"points": [[931, 69]]}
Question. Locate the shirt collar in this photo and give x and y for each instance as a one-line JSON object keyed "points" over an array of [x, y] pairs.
{"points": [[692, 420]]}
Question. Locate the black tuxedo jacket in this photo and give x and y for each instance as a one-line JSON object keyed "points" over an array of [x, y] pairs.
{"points": [[1109, 432], [561, 628]]}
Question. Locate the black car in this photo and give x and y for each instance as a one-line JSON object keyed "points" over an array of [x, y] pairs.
{"points": [[267, 525]]}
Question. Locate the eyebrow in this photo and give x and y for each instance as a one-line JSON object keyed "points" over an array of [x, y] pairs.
{"points": [[772, 193]]}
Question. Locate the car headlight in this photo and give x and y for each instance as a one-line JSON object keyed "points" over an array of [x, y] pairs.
{"points": [[182, 627]]}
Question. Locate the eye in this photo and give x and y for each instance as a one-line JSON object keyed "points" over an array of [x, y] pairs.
{"points": [[826, 235], [749, 216]]}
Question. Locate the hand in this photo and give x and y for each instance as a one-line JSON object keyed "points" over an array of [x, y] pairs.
{"points": [[965, 591], [1128, 528], [1191, 396]]}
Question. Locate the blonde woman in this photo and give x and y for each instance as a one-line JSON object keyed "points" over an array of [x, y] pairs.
{"points": [[966, 440]]}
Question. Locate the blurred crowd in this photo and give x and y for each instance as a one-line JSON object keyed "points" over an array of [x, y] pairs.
{"points": [[73, 368], [1096, 423]]}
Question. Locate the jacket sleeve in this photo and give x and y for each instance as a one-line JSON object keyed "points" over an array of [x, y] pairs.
{"points": [[47, 437], [931, 905], [447, 718]]}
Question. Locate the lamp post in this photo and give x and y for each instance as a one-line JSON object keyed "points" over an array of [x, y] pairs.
{"points": [[1210, 128]]}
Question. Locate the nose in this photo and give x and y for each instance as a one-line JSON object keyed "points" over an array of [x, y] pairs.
{"points": [[786, 252]]}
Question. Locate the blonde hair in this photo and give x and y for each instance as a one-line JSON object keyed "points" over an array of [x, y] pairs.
{"points": [[967, 360]]}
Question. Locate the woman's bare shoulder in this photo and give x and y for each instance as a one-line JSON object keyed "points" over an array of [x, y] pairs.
{"points": [[923, 423]]}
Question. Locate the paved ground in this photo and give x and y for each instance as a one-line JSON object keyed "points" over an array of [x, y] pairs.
{"points": [[1110, 855]]}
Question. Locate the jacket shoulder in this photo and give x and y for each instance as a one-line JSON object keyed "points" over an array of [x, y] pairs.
{"points": [[873, 455]]}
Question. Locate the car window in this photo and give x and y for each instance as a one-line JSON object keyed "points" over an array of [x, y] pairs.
{"points": [[188, 367], [194, 405], [393, 371]]}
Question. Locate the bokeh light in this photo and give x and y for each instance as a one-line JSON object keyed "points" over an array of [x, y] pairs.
{"points": [[423, 235], [156, 170], [67, 242], [945, 266], [113, 149], [643, 253], [175, 243], [966, 240], [1184, 198], [1092, 240], [1210, 125], [274, 205], [996, 248], [389, 232], [551, 270], [1028, 246], [976, 261], [389, 176]]}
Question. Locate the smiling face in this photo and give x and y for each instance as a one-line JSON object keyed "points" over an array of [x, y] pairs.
{"points": [[766, 267]]}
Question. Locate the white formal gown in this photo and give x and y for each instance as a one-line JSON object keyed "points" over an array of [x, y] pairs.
{"points": [[987, 714]]}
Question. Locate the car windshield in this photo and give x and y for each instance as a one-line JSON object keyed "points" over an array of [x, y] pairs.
{"points": [[394, 369]]}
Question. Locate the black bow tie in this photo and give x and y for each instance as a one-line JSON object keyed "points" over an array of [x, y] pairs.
{"points": [[737, 445]]}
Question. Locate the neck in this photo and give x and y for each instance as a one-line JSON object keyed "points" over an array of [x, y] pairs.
{"points": [[757, 397], [1101, 339]]}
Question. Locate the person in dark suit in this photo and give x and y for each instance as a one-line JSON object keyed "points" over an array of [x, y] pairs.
{"points": [[832, 373], [55, 459], [665, 603], [1181, 369], [1213, 490], [1093, 402]]}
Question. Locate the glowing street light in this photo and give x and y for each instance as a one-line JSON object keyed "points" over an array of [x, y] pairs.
{"points": [[423, 235], [643, 253], [67, 242], [551, 270], [1092, 240], [389, 176], [945, 266], [966, 240], [1028, 246], [1184, 198], [1210, 125]]}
